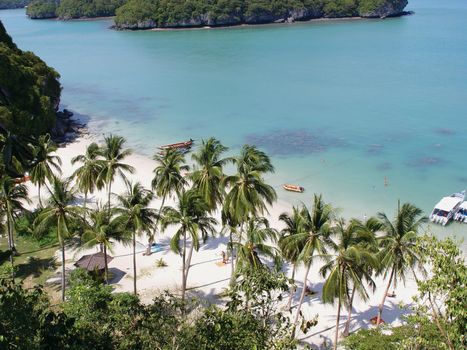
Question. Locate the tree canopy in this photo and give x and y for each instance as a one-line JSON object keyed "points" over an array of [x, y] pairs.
{"points": [[29, 90]]}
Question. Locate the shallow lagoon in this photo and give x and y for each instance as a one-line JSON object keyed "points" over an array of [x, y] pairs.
{"points": [[365, 112]]}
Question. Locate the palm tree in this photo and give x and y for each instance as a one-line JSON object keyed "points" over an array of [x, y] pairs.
{"points": [[17, 153], [257, 234], [351, 262], [44, 163], [248, 193], [313, 238], [114, 154], [368, 230], [87, 174], [168, 179], [101, 230], [12, 197], [294, 224], [192, 220], [398, 254], [208, 171], [60, 213], [135, 216]]}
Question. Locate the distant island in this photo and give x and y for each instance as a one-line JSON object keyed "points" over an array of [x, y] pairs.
{"points": [[13, 4], [149, 14]]}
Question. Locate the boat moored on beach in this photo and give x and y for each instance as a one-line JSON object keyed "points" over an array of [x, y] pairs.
{"points": [[461, 214], [179, 145], [293, 188], [446, 208]]}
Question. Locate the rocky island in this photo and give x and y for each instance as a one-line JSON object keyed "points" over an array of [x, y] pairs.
{"points": [[145, 14], [149, 14]]}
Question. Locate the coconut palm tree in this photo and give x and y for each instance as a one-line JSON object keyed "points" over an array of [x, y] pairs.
{"points": [[114, 154], [16, 153], [12, 197], [294, 224], [368, 229], [168, 179], [313, 239], [258, 234], [350, 263], [61, 212], [398, 254], [248, 193], [87, 174], [45, 166], [135, 216], [102, 230], [193, 222], [208, 171]]}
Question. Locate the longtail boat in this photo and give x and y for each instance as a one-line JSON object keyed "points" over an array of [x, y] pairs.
{"points": [[293, 188], [21, 180], [179, 145]]}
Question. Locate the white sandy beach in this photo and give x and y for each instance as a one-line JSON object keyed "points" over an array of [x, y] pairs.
{"points": [[206, 278]]}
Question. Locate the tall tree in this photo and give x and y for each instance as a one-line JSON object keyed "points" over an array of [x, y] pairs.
{"points": [[294, 224], [248, 193], [114, 154], [103, 230], [12, 197], [45, 165], [168, 179], [192, 220], [16, 153], [208, 171], [314, 240], [61, 212], [258, 239], [86, 176], [135, 216], [350, 263], [398, 254]]}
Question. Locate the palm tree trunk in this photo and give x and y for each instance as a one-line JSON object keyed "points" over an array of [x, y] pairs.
{"points": [[134, 263], [39, 193], [292, 288], [188, 264], [302, 297], [380, 308], [108, 196], [106, 266], [336, 336], [84, 205], [232, 265], [151, 237], [183, 267], [347, 323], [63, 272], [10, 243]]}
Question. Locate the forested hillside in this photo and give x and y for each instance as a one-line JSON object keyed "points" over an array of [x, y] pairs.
{"points": [[69, 9], [13, 4], [29, 90]]}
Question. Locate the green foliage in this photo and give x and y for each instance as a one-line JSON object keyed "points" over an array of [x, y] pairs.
{"points": [[171, 13], [29, 90], [391, 338], [40, 9], [161, 263], [70, 9], [13, 4]]}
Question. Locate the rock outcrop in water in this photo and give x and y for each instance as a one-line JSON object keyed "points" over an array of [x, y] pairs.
{"points": [[146, 14]]}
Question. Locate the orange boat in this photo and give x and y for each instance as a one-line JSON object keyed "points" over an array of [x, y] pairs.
{"points": [[21, 180], [293, 188], [179, 145]]}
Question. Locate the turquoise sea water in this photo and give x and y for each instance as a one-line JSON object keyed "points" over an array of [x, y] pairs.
{"points": [[342, 106]]}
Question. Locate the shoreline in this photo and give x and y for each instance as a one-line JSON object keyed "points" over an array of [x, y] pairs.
{"points": [[208, 279]]}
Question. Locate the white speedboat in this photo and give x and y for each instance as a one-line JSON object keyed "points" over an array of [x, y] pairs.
{"points": [[446, 208], [461, 214]]}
